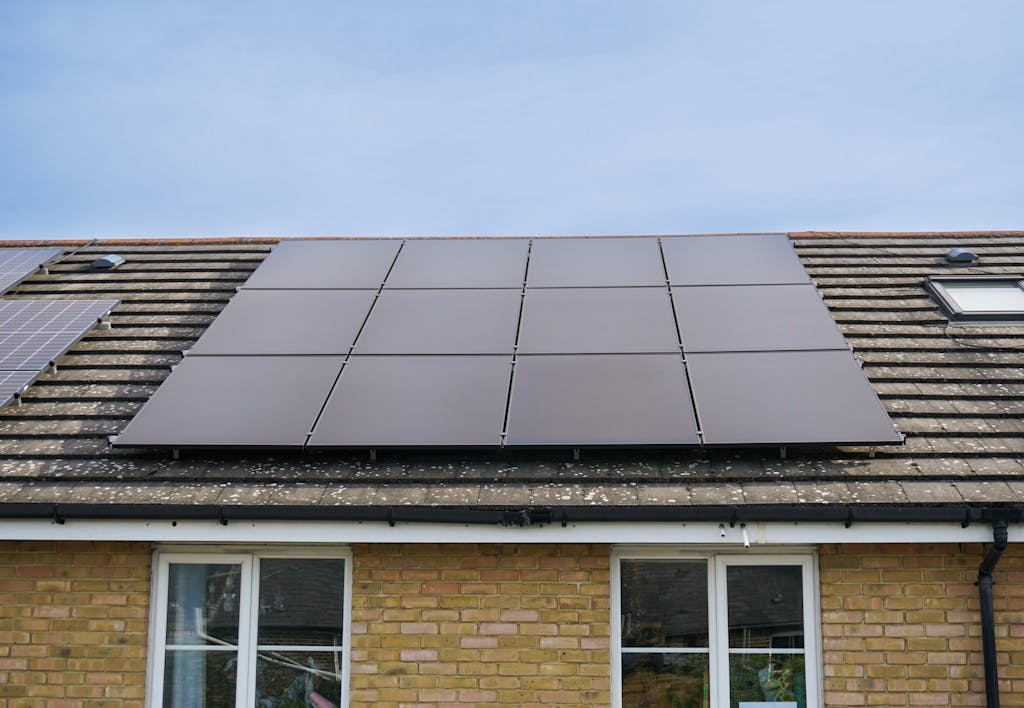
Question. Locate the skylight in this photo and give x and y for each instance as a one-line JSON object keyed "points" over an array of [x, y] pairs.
{"points": [[979, 298]]}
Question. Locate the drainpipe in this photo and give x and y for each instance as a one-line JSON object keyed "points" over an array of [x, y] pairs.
{"points": [[988, 618]]}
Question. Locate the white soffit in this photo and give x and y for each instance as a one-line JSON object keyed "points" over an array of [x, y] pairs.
{"points": [[676, 534]]}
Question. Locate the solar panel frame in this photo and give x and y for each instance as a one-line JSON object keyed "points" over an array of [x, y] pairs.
{"points": [[754, 318], [449, 321], [787, 398], [747, 259], [460, 263], [597, 400], [16, 264], [259, 322], [347, 264], [396, 402], [597, 320], [595, 262], [235, 401]]}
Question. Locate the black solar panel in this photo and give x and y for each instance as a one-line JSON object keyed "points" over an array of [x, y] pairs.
{"points": [[326, 264], [754, 318], [575, 400], [16, 264], [429, 335], [460, 263], [397, 401], [786, 398], [596, 320], [288, 322], [758, 259], [442, 322], [595, 262], [14, 382], [243, 401], [33, 333]]}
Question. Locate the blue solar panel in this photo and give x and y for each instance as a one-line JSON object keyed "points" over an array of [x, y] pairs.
{"points": [[16, 264], [33, 333], [13, 383]]}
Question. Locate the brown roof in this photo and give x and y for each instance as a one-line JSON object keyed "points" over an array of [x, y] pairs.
{"points": [[957, 392]]}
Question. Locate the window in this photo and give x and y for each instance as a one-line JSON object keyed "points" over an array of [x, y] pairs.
{"points": [[715, 630], [266, 629], [979, 298]]}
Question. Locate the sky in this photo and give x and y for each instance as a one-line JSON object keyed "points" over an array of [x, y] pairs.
{"points": [[193, 119]]}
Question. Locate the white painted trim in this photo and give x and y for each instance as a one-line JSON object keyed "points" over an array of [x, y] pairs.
{"points": [[811, 652], [718, 563], [248, 558], [321, 532]]}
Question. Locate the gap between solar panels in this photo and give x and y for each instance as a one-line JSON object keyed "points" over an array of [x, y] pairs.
{"points": [[682, 341]]}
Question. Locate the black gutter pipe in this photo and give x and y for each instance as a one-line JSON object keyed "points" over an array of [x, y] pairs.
{"points": [[518, 516], [988, 617]]}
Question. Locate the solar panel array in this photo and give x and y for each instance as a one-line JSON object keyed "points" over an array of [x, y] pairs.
{"points": [[16, 264], [33, 333], [671, 341]]}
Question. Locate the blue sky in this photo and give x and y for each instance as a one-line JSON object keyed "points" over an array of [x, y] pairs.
{"points": [[125, 119]]}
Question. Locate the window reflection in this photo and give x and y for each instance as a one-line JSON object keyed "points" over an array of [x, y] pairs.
{"points": [[664, 603], [765, 606], [300, 601], [666, 680], [202, 604]]}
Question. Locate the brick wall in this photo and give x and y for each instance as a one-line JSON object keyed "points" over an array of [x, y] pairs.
{"points": [[508, 624], [73, 622], [901, 625]]}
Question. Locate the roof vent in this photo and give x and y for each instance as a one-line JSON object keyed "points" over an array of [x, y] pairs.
{"points": [[108, 262], [960, 256]]}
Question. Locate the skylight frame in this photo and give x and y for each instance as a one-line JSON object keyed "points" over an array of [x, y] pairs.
{"points": [[937, 287]]}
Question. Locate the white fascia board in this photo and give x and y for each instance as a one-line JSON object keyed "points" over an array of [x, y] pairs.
{"points": [[313, 532]]}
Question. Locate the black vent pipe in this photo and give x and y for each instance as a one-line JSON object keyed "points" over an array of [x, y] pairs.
{"points": [[988, 617]]}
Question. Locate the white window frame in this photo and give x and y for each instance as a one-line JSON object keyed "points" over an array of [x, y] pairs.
{"points": [[248, 559], [718, 622]]}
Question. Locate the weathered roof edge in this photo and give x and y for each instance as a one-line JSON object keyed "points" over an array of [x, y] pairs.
{"points": [[267, 240], [904, 234]]}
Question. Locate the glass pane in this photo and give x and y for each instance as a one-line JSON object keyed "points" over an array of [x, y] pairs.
{"points": [[301, 601], [200, 678], [760, 679], [766, 608], [991, 298], [298, 679], [666, 681], [664, 603], [202, 603]]}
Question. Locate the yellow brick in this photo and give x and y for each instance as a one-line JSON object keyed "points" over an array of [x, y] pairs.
{"points": [[920, 625], [88, 636]]}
